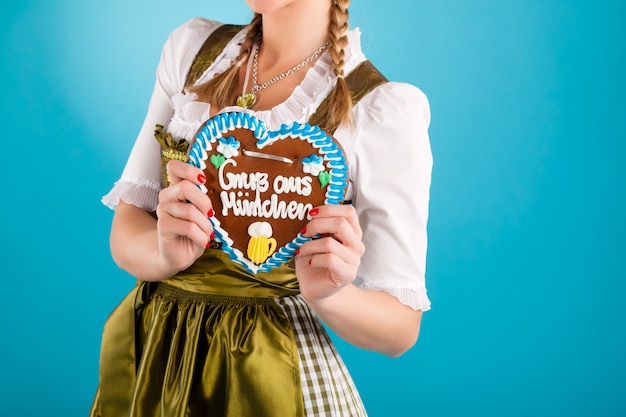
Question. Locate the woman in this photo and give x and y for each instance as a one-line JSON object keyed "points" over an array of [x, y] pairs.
{"points": [[188, 341]]}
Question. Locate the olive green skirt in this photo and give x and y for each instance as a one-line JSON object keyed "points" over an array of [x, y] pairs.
{"points": [[217, 341]]}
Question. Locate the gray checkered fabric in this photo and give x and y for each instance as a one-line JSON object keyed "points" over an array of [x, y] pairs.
{"points": [[327, 387]]}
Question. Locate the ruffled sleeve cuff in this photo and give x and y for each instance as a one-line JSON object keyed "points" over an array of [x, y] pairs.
{"points": [[138, 192], [415, 298]]}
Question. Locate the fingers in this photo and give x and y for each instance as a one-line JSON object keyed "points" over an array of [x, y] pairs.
{"points": [[184, 208], [193, 221], [341, 272], [186, 191], [179, 170], [331, 254], [338, 221], [339, 247]]}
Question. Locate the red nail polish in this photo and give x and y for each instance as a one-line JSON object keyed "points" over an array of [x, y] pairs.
{"points": [[210, 213], [313, 212], [201, 179], [297, 251], [208, 245], [212, 236], [303, 231]]}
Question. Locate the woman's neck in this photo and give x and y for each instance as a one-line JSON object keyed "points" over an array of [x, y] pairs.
{"points": [[291, 34], [295, 31]]}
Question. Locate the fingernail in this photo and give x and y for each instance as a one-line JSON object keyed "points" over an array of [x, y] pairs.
{"points": [[313, 212], [303, 231], [201, 178], [297, 251], [212, 236], [208, 245], [211, 213]]}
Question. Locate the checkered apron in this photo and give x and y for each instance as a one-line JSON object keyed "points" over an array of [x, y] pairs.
{"points": [[327, 387]]}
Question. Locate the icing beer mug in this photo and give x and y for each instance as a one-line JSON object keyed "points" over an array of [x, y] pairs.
{"points": [[261, 245]]}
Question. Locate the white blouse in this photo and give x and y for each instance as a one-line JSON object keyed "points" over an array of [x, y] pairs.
{"points": [[387, 148]]}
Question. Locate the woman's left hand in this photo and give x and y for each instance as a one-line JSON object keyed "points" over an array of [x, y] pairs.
{"points": [[326, 264]]}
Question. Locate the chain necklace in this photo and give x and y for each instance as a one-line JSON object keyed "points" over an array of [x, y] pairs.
{"points": [[247, 100]]}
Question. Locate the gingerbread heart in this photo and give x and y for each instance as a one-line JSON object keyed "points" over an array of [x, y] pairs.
{"points": [[263, 183]]}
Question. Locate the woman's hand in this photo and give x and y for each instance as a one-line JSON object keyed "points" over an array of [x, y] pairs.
{"points": [[183, 228], [326, 264], [326, 267]]}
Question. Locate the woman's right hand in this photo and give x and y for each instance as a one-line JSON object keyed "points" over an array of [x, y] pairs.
{"points": [[183, 228]]}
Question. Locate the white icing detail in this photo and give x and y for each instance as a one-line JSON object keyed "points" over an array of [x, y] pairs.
{"points": [[267, 156], [228, 147], [270, 208], [313, 165], [255, 181], [257, 229], [299, 185]]}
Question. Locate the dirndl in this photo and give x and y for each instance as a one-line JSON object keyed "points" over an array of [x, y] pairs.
{"points": [[215, 340]]}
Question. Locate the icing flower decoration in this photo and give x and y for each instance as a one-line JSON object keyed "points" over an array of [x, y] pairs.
{"points": [[313, 164], [228, 147]]}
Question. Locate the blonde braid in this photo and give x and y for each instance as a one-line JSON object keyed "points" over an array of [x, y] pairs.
{"points": [[221, 90], [340, 101]]}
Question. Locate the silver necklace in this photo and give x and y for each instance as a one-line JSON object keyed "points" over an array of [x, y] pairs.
{"points": [[247, 100]]}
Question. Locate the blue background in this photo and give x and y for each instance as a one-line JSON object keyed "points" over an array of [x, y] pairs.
{"points": [[526, 256]]}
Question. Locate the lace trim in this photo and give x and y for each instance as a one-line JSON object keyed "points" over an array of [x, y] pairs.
{"points": [[414, 298], [189, 115], [136, 191], [306, 97]]}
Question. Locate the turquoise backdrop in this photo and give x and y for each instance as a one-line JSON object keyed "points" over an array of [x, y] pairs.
{"points": [[526, 262]]}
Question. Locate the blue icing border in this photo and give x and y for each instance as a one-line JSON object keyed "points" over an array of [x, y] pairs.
{"points": [[215, 128]]}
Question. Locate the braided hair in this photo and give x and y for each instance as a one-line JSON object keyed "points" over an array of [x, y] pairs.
{"points": [[221, 90], [340, 101]]}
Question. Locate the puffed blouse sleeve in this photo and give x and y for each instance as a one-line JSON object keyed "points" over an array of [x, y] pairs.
{"points": [[140, 181], [391, 164]]}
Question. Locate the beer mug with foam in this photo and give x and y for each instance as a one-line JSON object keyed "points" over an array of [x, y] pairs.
{"points": [[261, 245]]}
